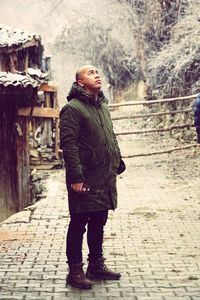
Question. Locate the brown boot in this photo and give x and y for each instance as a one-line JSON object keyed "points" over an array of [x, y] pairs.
{"points": [[77, 277], [98, 270]]}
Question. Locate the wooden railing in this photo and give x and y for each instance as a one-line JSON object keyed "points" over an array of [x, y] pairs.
{"points": [[155, 114], [148, 102]]}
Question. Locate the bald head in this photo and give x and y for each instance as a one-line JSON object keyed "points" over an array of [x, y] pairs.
{"points": [[89, 79], [80, 72]]}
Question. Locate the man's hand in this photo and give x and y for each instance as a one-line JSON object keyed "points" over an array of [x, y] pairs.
{"points": [[77, 187]]}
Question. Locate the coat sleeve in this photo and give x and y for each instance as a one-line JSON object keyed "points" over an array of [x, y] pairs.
{"points": [[122, 166], [113, 133], [196, 108], [116, 144], [70, 122]]}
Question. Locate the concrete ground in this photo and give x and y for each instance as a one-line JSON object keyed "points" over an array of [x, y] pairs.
{"points": [[153, 238]]}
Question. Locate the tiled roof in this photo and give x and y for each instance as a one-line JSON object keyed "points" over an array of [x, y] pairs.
{"points": [[13, 37], [16, 80], [38, 75]]}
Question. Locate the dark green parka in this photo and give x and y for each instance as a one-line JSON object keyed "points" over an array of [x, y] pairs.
{"points": [[90, 150]]}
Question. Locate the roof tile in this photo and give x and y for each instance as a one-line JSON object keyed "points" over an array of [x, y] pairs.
{"points": [[16, 80], [10, 36]]}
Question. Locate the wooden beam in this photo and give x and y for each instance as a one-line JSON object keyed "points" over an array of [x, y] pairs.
{"points": [[40, 112], [152, 114], [15, 48], [155, 129], [52, 88], [162, 151], [148, 102]]}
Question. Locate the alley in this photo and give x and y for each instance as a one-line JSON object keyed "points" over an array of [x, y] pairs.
{"points": [[152, 238]]}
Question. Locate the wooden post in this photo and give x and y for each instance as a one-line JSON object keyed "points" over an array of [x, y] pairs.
{"points": [[26, 60], [47, 96], [13, 62], [56, 106], [23, 161], [57, 138]]}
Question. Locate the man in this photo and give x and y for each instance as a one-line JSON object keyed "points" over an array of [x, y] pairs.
{"points": [[92, 158], [197, 117]]}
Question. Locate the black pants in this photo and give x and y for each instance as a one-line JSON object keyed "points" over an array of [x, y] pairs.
{"points": [[95, 222]]}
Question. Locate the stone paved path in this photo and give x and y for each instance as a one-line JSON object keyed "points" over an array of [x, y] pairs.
{"points": [[153, 239]]}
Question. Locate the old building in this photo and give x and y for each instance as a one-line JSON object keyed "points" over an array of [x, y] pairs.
{"points": [[21, 62]]}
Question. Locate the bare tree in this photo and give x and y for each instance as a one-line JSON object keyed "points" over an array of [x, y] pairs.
{"points": [[94, 44]]}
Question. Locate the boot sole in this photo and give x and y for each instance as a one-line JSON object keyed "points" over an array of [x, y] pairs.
{"points": [[101, 277], [88, 287]]}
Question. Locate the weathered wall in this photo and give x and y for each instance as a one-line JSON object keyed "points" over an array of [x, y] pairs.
{"points": [[14, 159], [8, 176]]}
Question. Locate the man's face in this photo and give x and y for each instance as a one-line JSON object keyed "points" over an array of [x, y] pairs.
{"points": [[89, 79]]}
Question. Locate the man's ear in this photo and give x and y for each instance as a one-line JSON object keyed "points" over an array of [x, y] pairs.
{"points": [[80, 82]]}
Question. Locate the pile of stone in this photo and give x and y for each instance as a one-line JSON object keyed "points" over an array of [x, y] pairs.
{"points": [[37, 185]]}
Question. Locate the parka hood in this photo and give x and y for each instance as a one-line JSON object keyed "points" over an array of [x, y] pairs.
{"points": [[77, 92]]}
